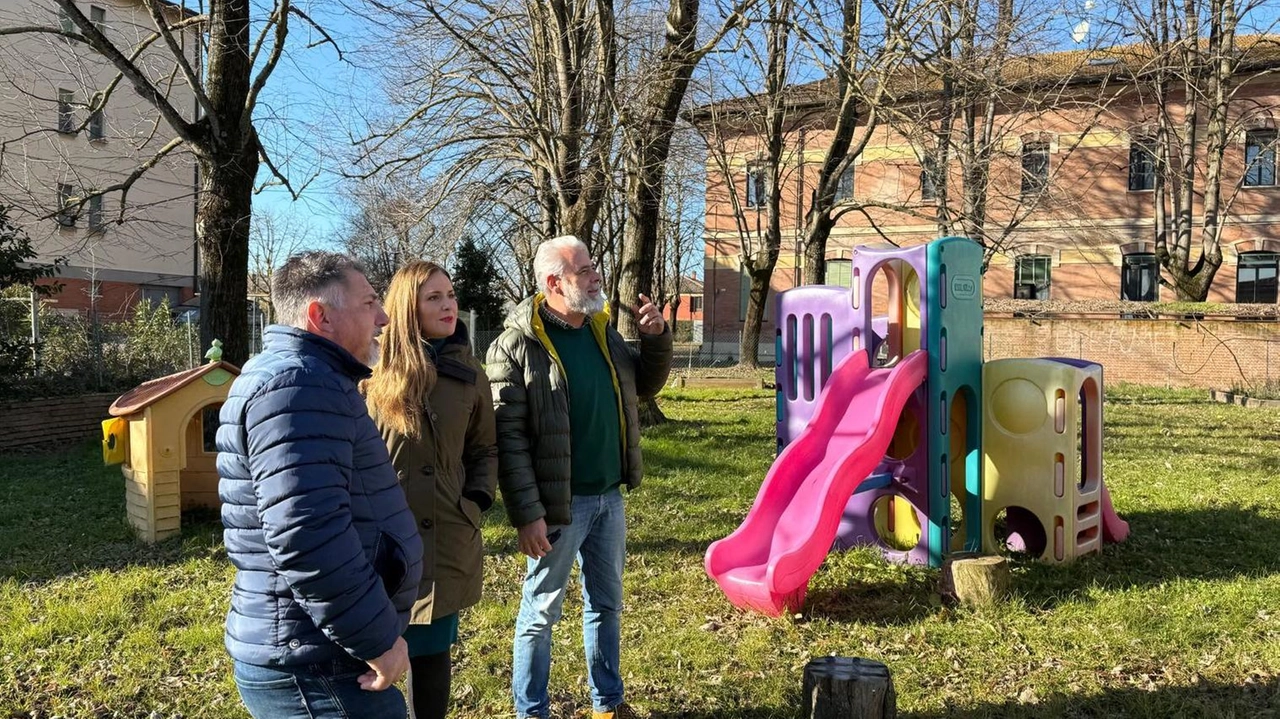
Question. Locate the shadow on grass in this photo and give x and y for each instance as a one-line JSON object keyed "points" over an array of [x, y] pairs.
{"points": [[1209, 544], [875, 602], [1256, 699], [1207, 700], [63, 513]]}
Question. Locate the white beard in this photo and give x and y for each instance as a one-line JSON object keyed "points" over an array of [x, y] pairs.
{"points": [[579, 301]]}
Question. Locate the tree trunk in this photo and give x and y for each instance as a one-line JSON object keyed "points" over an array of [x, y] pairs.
{"points": [[228, 160], [848, 688], [975, 580], [222, 226], [815, 246], [749, 345], [639, 247]]}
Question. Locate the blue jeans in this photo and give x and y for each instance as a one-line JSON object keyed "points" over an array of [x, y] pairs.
{"points": [[598, 539], [312, 691]]}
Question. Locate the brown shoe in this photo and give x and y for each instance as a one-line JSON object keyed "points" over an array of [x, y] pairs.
{"points": [[622, 711]]}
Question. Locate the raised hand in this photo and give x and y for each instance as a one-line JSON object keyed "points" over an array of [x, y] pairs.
{"points": [[649, 317]]}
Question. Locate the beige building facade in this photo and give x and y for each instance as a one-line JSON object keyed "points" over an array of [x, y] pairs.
{"points": [[131, 243]]}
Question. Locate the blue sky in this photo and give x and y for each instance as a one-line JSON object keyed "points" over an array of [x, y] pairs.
{"points": [[307, 115]]}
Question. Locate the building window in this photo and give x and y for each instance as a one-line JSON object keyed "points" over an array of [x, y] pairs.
{"points": [[1142, 165], [1256, 277], [1031, 277], [844, 185], [757, 185], [98, 16], [95, 213], [695, 304], [154, 295], [66, 115], [1260, 158], [1035, 167], [928, 178], [65, 22], [66, 198], [839, 272], [1139, 277], [97, 125]]}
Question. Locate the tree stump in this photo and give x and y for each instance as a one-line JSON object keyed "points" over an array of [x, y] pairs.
{"points": [[975, 580], [848, 688]]}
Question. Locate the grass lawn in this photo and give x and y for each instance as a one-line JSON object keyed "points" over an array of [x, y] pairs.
{"points": [[1181, 621]]}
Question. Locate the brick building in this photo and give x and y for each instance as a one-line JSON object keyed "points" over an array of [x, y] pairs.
{"points": [[1089, 232]]}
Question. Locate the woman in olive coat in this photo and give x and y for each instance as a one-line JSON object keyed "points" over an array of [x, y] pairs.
{"points": [[431, 399]]}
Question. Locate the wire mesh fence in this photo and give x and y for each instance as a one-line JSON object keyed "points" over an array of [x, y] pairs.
{"points": [[46, 352]]}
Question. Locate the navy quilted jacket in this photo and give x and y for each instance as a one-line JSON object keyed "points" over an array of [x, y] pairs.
{"points": [[327, 553]]}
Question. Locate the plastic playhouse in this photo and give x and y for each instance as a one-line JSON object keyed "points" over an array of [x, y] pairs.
{"points": [[157, 433], [893, 433]]}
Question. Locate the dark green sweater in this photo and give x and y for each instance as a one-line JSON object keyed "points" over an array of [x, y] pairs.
{"points": [[594, 426]]}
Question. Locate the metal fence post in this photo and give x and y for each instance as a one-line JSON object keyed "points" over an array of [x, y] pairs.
{"points": [[35, 332]]}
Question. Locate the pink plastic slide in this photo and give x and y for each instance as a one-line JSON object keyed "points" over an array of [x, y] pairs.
{"points": [[766, 563], [1114, 529]]}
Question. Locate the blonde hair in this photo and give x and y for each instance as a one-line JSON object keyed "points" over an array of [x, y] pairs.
{"points": [[404, 373]]}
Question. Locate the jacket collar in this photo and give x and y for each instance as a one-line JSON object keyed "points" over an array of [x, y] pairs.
{"points": [[450, 359], [527, 317], [286, 339]]}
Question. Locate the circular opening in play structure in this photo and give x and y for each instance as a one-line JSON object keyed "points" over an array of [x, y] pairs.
{"points": [[1018, 530], [896, 522], [906, 436]]}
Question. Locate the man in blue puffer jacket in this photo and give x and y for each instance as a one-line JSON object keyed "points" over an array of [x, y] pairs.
{"points": [[327, 554]]}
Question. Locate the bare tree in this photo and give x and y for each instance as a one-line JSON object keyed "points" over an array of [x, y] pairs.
{"points": [[756, 128], [486, 92], [226, 73], [859, 63], [648, 122], [1192, 65], [391, 224], [976, 86], [681, 224], [272, 239]]}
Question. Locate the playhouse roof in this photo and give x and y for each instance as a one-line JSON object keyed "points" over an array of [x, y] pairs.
{"points": [[152, 391]]}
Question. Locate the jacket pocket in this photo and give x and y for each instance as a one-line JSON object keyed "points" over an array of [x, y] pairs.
{"points": [[471, 511], [391, 563]]}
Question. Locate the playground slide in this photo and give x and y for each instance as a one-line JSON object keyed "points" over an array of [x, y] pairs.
{"points": [[766, 563], [1114, 529]]}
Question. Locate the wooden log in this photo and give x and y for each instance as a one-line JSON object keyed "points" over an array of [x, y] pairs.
{"points": [[848, 688], [975, 580]]}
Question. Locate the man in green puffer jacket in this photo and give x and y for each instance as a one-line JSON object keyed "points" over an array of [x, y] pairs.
{"points": [[566, 391]]}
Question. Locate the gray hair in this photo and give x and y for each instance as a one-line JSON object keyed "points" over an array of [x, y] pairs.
{"points": [[307, 277], [549, 259]]}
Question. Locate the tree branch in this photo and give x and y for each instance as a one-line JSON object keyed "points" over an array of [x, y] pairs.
{"points": [[142, 84], [281, 19], [180, 57]]}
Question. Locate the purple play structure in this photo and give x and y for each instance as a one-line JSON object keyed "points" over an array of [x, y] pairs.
{"points": [[817, 327]]}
